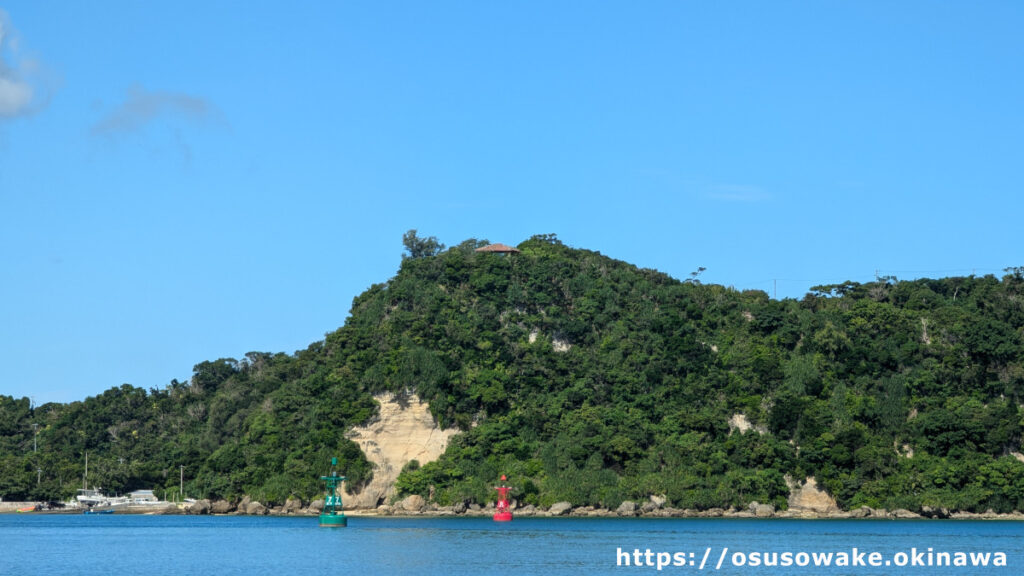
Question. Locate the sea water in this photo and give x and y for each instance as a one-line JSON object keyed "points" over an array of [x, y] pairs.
{"points": [[279, 546]]}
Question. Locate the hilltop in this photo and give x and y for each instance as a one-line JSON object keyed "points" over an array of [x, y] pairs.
{"points": [[586, 380]]}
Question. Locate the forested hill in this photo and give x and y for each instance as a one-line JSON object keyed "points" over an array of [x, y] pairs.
{"points": [[590, 380]]}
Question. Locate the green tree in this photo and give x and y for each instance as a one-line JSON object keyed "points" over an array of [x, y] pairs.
{"points": [[417, 247]]}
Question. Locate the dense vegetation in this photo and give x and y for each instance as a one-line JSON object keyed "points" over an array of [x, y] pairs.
{"points": [[589, 380]]}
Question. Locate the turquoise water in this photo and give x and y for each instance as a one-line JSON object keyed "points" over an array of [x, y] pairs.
{"points": [[180, 545]]}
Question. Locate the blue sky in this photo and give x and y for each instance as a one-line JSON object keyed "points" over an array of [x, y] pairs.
{"points": [[186, 181]]}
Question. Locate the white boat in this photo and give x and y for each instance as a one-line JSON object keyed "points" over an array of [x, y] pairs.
{"points": [[94, 498]]}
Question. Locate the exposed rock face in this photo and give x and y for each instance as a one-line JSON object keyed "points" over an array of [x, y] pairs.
{"points": [[810, 497], [560, 508], [222, 507], [405, 430], [742, 423]]}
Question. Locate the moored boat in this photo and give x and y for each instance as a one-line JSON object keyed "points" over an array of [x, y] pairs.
{"points": [[94, 498]]}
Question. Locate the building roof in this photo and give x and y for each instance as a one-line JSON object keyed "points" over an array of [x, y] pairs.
{"points": [[498, 248]]}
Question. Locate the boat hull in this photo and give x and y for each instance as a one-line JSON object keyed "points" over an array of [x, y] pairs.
{"points": [[503, 517]]}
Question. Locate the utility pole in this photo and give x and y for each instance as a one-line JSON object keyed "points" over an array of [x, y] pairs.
{"points": [[35, 449], [181, 489]]}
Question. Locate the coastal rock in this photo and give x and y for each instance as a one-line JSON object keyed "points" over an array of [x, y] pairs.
{"points": [[292, 506], [412, 503], [404, 430], [559, 508], [862, 512], [198, 507], [759, 510], [930, 512], [627, 508], [255, 509], [459, 507], [528, 510], [316, 506], [658, 501], [903, 514], [385, 510], [243, 506], [222, 507], [582, 511]]}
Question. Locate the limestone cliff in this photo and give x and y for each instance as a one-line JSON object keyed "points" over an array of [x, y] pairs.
{"points": [[809, 497], [404, 430]]}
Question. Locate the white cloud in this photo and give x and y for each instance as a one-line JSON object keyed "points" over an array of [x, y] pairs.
{"points": [[16, 92], [15, 97], [141, 107]]}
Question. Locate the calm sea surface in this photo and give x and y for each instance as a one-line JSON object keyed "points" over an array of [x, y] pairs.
{"points": [[173, 545]]}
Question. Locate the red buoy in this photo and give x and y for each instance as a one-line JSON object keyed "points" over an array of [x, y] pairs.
{"points": [[503, 513]]}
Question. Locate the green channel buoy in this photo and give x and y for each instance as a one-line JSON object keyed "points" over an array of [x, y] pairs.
{"points": [[332, 514]]}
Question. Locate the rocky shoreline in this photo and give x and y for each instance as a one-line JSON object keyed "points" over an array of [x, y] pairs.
{"points": [[414, 506], [806, 502]]}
